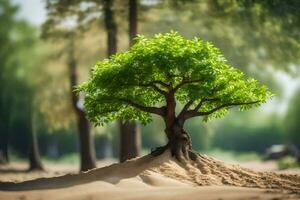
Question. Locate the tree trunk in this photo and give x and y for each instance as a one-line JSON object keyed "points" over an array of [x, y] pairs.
{"points": [[87, 148], [179, 143], [130, 141], [129, 135], [35, 162], [4, 158], [111, 27], [133, 21], [4, 137]]}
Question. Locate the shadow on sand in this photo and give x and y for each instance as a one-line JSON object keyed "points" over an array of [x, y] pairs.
{"points": [[111, 174]]}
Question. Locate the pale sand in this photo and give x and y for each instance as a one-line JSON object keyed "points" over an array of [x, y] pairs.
{"points": [[159, 177]]}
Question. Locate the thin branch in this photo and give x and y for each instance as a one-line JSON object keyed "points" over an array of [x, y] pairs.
{"points": [[185, 108], [152, 85], [154, 110], [198, 106], [162, 84], [194, 113], [184, 82]]}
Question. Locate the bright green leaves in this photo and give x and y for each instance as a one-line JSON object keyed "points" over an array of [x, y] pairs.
{"points": [[152, 67]]}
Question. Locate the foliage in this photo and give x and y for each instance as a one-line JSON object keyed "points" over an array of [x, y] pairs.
{"points": [[248, 132], [201, 134], [232, 156], [287, 162], [271, 27], [292, 119], [122, 86]]}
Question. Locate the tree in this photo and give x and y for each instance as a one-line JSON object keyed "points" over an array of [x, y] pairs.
{"points": [[84, 16], [157, 73], [129, 133], [17, 89], [273, 23], [52, 30], [7, 14], [87, 147], [35, 162]]}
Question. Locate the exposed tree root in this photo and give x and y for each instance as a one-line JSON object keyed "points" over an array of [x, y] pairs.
{"points": [[202, 170]]}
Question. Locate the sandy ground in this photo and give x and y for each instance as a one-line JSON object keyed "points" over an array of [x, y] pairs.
{"points": [[143, 178]]}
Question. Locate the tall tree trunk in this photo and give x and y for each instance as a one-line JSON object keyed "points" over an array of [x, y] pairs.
{"points": [[111, 27], [4, 158], [4, 138], [133, 21], [87, 146], [130, 139], [129, 135], [35, 162]]}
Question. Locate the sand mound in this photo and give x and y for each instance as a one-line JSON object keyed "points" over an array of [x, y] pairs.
{"points": [[164, 170], [207, 171]]}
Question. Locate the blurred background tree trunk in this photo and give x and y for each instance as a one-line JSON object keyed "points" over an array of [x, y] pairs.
{"points": [[35, 162], [4, 158], [87, 146], [130, 135]]}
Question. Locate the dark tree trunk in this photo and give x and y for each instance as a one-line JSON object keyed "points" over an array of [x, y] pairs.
{"points": [[4, 158], [129, 135], [179, 141], [111, 27], [87, 148], [133, 21], [35, 162], [130, 141], [4, 138]]}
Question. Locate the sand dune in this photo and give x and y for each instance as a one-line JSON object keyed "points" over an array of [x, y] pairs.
{"points": [[159, 177]]}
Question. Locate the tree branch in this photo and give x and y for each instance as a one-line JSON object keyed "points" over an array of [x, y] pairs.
{"points": [[198, 106], [195, 113], [184, 82], [154, 110], [185, 108], [162, 84], [151, 84]]}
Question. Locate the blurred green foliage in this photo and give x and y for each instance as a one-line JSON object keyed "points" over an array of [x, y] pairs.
{"points": [[292, 119], [248, 136], [287, 163]]}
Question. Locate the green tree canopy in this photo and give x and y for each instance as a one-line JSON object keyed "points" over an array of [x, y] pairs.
{"points": [[129, 85]]}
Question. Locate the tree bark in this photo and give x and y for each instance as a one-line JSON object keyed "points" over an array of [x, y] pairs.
{"points": [[133, 21], [87, 148], [111, 27], [179, 143], [129, 135], [130, 140], [4, 155], [35, 162], [4, 158]]}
